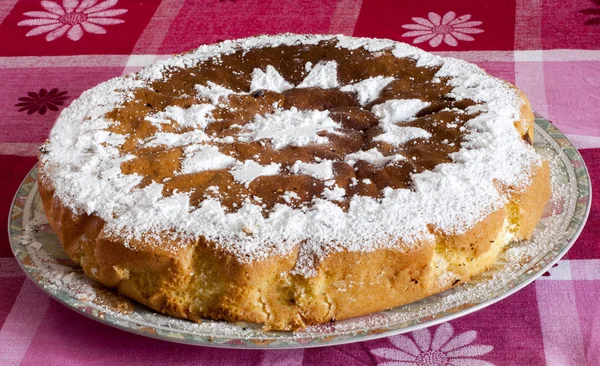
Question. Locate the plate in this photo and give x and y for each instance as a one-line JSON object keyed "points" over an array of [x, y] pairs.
{"points": [[40, 255]]}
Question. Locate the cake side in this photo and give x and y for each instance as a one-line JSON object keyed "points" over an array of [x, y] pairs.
{"points": [[199, 282]]}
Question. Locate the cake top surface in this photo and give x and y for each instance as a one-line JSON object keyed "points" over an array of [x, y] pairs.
{"points": [[266, 143]]}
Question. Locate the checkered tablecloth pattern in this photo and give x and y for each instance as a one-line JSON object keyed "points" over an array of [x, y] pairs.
{"points": [[51, 51]]}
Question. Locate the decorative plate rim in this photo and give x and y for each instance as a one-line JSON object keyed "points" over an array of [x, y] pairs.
{"points": [[559, 142]]}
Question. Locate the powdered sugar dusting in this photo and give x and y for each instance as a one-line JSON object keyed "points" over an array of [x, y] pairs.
{"points": [[322, 75], [83, 163], [334, 194], [290, 128], [322, 170], [213, 91], [368, 90], [249, 170], [176, 139], [269, 80], [372, 156], [201, 158], [196, 116], [398, 110], [400, 135], [290, 196]]}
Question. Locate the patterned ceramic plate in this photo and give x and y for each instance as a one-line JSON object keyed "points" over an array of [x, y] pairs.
{"points": [[42, 258]]}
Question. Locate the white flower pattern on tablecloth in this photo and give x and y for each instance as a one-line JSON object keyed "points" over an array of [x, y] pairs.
{"points": [[72, 18], [438, 29], [442, 350]]}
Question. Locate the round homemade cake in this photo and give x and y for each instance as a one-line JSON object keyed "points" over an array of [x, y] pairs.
{"points": [[292, 180]]}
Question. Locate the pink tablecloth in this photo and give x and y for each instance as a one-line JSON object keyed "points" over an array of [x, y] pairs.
{"points": [[52, 51]]}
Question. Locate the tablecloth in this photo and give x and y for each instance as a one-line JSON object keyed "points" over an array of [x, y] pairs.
{"points": [[51, 51]]}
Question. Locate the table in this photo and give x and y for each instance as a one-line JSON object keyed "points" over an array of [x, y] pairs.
{"points": [[51, 51]]}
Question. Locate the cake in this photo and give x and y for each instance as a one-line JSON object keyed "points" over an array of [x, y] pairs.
{"points": [[292, 180]]}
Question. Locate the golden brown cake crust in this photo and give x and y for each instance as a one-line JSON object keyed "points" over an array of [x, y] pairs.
{"points": [[201, 277]]}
